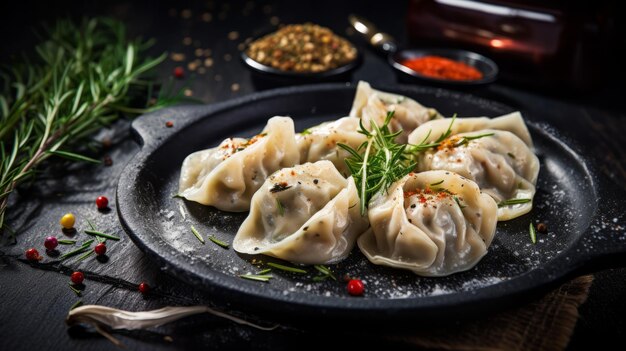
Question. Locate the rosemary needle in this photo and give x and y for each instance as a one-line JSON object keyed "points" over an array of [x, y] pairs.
{"points": [[76, 304], [67, 242], [101, 234], [265, 271], [286, 268], [513, 202], [76, 291], [533, 234], [195, 232], [218, 242], [257, 277]]}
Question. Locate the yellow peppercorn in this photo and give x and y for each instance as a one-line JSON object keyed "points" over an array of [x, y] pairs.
{"points": [[67, 221]]}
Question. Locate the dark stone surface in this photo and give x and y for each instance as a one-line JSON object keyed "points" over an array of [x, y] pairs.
{"points": [[34, 298]]}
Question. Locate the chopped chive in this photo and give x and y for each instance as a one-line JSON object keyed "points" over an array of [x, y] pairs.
{"points": [[439, 182], [281, 209], [218, 242], [511, 155], [286, 268], [91, 224], [101, 234], [305, 132], [67, 242], [76, 291], [510, 202], [257, 277], [76, 304], [265, 271], [195, 232], [533, 234]]}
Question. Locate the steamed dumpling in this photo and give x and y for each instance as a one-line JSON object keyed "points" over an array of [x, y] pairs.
{"points": [[320, 142], [228, 175], [433, 223], [501, 162], [306, 214], [372, 105]]}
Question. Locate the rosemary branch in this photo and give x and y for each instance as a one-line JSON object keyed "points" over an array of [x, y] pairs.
{"points": [[82, 78]]}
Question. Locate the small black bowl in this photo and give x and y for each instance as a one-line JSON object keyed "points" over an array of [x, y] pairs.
{"points": [[486, 66], [266, 77]]}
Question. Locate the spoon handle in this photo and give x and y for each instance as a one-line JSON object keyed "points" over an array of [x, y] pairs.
{"points": [[379, 40]]}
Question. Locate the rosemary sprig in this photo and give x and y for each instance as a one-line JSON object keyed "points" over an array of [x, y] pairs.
{"points": [[533, 233], [195, 232], [84, 76], [286, 268], [378, 162], [218, 242], [510, 202], [257, 277]]}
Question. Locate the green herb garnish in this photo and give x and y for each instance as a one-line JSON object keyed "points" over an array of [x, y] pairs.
{"points": [[67, 242], [510, 202], [218, 242], [76, 304], [458, 202], [511, 155], [305, 132], [76, 291], [257, 277], [466, 139], [378, 162], [286, 268], [439, 182], [533, 234], [81, 249], [83, 77], [279, 206], [325, 273], [423, 146], [195, 232], [101, 234], [265, 271]]}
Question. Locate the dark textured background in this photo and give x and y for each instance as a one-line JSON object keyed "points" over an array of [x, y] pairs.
{"points": [[34, 298]]}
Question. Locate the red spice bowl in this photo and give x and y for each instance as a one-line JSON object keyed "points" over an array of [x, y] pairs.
{"points": [[487, 68]]}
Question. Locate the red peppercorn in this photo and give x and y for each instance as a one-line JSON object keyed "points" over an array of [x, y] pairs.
{"points": [[179, 72], [144, 288], [77, 277], [100, 249], [51, 243], [355, 287], [169, 124], [32, 255], [102, 202]]}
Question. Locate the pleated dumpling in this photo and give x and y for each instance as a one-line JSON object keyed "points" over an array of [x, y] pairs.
{"points": [[372, 105], [499, 159], [320, 142], [307, 214], [433, 223], [228, 175]]}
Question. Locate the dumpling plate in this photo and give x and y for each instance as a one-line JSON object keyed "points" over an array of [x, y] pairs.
{"points": [[581, 209]]}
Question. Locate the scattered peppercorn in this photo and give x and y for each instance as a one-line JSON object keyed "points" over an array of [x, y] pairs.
{"points": [[51, 243], [67, 221], [32, 255], [77, 277], [169, 124], [302, 48], [100, 249], [144, 288], [179, 72], [542, 228], [355, 287], [102, 202], [108, 161]]}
